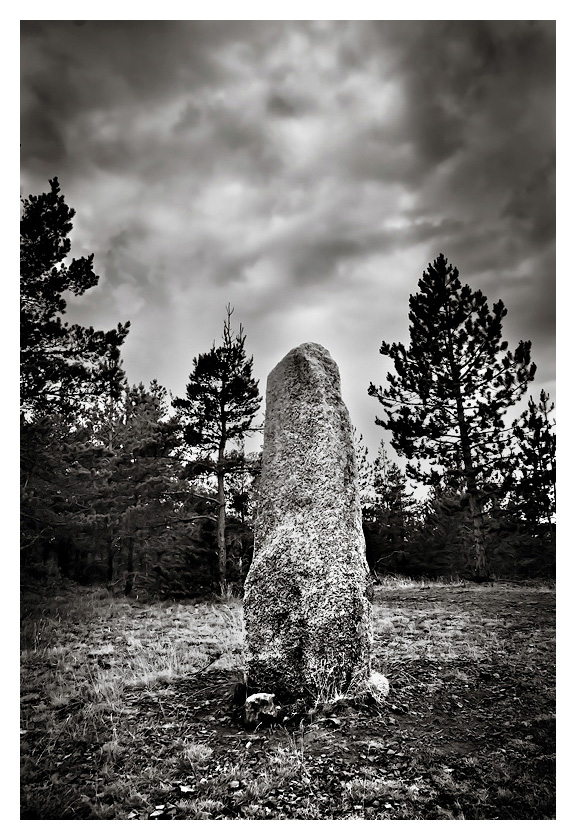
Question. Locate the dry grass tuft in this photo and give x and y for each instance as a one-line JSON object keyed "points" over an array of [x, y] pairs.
{"points": [[126, 713]]}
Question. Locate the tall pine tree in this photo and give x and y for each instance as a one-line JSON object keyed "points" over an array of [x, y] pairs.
{"points": [[447, 400], [535, 490], [63, 368], [219, 410], [57, 360], [392, 512]]}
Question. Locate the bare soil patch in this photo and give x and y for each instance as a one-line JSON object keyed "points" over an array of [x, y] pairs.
{"points": [[128, 713]]}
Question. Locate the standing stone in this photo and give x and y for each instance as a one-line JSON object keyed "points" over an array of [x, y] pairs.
{"points": [[307, 610]]}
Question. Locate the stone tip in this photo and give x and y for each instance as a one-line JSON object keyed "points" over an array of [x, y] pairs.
{"points": [[310, 346], [308, 350]]}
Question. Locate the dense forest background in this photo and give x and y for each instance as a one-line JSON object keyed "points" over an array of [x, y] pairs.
{"points": [[155, 497]]}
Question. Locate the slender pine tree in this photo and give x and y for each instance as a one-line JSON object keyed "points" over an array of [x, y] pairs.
{"points": [[535, 490], [63, 368], [57, 360], [219, 410], [393, 510], [446, 403]]}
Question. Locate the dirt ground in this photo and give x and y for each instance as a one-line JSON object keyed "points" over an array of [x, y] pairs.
{"points": [[467, 731]]}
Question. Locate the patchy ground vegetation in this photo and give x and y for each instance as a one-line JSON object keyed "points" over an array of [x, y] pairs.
{"points": [[128, 713]]}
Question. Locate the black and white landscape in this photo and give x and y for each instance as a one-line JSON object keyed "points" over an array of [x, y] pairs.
{"points": [[287, 426]]}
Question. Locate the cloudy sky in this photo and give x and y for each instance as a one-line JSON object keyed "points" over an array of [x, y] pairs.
{"points": [[306, 172]]}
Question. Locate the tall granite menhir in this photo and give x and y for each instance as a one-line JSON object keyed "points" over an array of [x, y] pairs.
{"points": [[307, 613]]}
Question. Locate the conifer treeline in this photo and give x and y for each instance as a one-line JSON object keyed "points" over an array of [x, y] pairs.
{"points": [[118, 485], [447, 406]]}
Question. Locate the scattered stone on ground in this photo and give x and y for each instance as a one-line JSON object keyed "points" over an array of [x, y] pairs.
{"points": [[260, 708]]}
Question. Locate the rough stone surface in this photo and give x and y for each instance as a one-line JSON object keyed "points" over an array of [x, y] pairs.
{"points": [[378, 687], [260, 708], [307, 609]]}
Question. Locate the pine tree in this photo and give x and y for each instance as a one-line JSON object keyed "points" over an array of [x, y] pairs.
{"points": [[535, 487], [63, 369], [365, 470], [143, 473], [42, 474], [440, 543], [125, 474], [56, 359], [393, 510], [241, 500], [219, 410], [446, 403]]}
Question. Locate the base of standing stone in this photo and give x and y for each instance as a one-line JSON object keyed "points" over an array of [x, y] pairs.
{"points": [[320, 684], [369, 692], [375, 688]]}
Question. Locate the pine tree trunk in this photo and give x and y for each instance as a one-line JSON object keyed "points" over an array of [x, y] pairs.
{"points": [[221, 534], [110, 563], [481, 566], [129, 568]]}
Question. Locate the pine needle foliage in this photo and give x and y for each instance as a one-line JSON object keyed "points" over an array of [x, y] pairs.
{"points": [[447, 400], [535, 491], [59, 362], [219, 411]]}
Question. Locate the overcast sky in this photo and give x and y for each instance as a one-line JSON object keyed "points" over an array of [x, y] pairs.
{"points": [[305, 172]]}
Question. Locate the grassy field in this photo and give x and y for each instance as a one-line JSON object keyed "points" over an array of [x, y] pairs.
{"points": [[128, 713]]}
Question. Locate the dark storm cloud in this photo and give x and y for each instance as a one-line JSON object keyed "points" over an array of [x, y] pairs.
{"points": [[490, 86], [280, 106], [288, 105], [531, 203], [70, 71], [305, 171], [477, 89]]}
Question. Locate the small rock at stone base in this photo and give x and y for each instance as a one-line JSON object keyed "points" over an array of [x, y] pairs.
{"points": [[260, 708]]}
